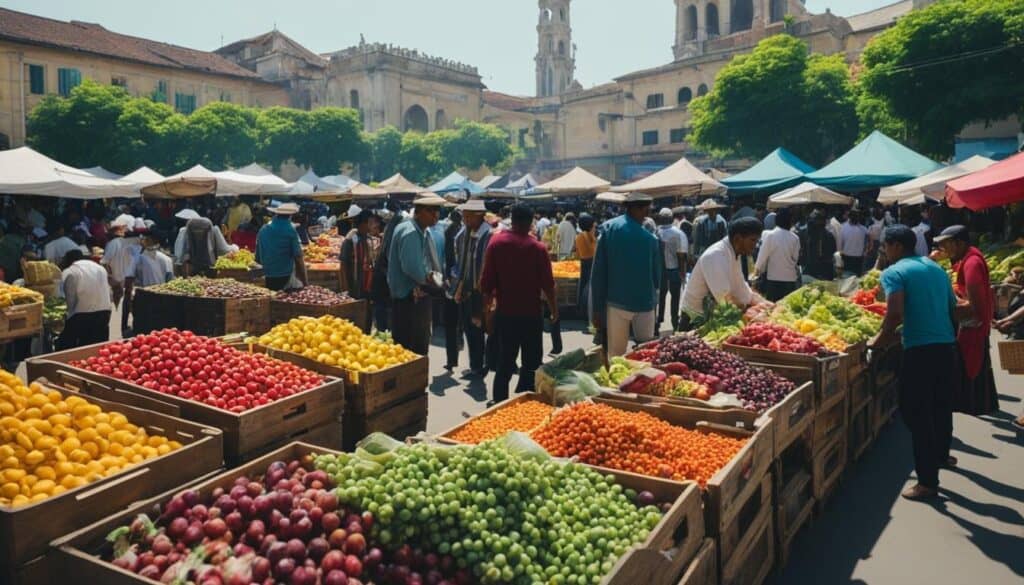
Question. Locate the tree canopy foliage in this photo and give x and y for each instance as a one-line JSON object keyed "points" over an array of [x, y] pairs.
{"points": [[103, 125], [947, 65], [778, 95]]}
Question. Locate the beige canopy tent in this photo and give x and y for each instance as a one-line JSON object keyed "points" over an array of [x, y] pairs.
{"points": [[200, 180], [807, 193], [578, 181], [353, 189], [933, 185], [399, 185], [681, 179], [611, 197], [24, 171], [192, 182]]}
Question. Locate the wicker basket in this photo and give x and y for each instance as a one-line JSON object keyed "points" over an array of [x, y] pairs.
{"points": [[1011, 355]]}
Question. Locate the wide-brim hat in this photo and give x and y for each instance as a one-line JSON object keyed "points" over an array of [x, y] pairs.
{"points": [[429, 200], [665, 213], [473, 206], [709, 204], [637, 197], [284, 209], [187, 214], [124, 220], [353, 211]]}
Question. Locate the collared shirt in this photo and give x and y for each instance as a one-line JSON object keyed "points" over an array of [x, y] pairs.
{"points": [[516, 271], [152, 267], [707, 231], [120, 255], [779, 254], [673, 243], [277, 247], [407, 264], [717, 274], [928, 300], [566, 238], [55, 250], [85, 288], [627, 267], [853, 239], [469, 253]]}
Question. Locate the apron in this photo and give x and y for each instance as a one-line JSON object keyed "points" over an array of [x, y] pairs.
{"points": [[973, 340]]}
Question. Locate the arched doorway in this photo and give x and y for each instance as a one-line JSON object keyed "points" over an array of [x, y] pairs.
{"points": [[742, 15], [690, 24], [416, 120], [777, 10], [702, 90], [711, 20], [440, 120], [684, 96]]}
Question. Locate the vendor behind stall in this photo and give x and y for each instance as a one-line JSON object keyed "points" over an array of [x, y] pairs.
{"points": [[717, 276]]}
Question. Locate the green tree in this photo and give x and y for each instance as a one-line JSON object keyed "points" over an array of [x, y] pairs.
{"points": [[777, 95], [385, 152], [474, 144], [947, 65], [334, 136], [151, 134], [79, 130], [418, 159], [280, 133], [221, 135], [874, 114]]}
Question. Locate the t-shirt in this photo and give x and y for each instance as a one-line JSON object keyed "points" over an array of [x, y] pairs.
{"points": [[627, 267], [673, 243], [277, 247], [516, 271], [120, 255], [85, 288], [928, 300], [853, 239], [717, 274]]}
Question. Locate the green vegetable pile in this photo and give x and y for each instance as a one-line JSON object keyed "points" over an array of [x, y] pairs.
{"points": [[503, 509], [831, 312], [1002, 261], [54, 310], [722, 322], [619, 368], [871, 279]]}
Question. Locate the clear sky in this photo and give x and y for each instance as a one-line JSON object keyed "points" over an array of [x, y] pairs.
{"points": [[613, 37]]}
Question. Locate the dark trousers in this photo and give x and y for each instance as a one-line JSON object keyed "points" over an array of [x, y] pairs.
{"points": [[583, 294], [854, 264], [556, 332], [517, 333], [126, 303], [451, 332], [85, 329], [381, 312], [412, 327], [928, 377], [475, 341], [774, 290], [671, 282], [277, 282]]}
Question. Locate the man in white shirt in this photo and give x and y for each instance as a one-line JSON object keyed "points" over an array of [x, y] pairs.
{"points": [[55, 249], [674, 247], [542, 225], [119, 258], [152, 266], [921, 231], [717, 276], [566, 235], [87, 292], [778, 258], [853, 244]]}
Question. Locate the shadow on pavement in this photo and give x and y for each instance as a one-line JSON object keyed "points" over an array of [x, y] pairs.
{"points": [[1000, 547], [958, 445], [855, 517], [1008, 398], [995, 487]]}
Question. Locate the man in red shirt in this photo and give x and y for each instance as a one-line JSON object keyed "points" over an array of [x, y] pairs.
{"points": [[516, 272]]}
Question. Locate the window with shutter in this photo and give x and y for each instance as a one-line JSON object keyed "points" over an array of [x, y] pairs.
{"points": [[37, 79]]}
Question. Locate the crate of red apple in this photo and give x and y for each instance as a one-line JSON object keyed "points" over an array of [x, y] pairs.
{"points": [[314, 301]]}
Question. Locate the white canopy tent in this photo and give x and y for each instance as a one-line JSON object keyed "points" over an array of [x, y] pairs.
{"points": [[611, 197], [576, 182], [310, 185], [680, 179], [807, 193], [24, 171], [933, 185], [102, 173], [200, 180], [354, 188]]}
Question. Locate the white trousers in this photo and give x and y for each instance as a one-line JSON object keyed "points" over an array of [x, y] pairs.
{"points": [[618, 322]]}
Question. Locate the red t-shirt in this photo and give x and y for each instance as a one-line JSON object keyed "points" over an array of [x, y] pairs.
{"points": [[516, 270], [245, 240]]}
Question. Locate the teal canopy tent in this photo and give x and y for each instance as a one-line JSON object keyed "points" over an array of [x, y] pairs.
{"points": [[878, 161], [779, 170]]}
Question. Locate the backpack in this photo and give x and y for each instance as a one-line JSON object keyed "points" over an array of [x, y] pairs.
{"points": [[197, 232]]}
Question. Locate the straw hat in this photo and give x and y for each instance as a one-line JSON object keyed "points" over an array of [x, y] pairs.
{"points": [[637, 197], [473, 206], [124, 220], [709, 204], [285, 209], [353, 211], [429, 200]]}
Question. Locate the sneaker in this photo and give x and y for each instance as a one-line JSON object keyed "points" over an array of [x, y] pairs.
{"points": [[918, 492]]}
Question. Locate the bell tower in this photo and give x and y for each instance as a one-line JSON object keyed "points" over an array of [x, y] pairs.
{"points": [[556, 55]]}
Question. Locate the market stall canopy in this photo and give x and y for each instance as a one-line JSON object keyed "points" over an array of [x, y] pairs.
{"points": [[522, 183], [576, 182], [310, 185], [142, 177], [493, 181], [351, 188], [24, 171], [102, 173], [932, 185], [680, 179], [399, 185], [781, 169], [455, 182], [250, 180], [611, 197], [999, 184], [807, 193], [878, 161], [192, 182], [718, 174]]}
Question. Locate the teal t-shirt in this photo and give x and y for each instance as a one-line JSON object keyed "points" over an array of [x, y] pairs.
{"points": [[928, 300]]}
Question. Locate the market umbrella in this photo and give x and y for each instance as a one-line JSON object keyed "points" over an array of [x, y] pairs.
{"points": [[807, 193], [192, 182], [781, 169], [932, 185], [680, 179], [578, 181], [456, 182], [102, 173], [876, 162], [24, 171], [310, 185], [353, 189], [999, 184], [399, 185]]}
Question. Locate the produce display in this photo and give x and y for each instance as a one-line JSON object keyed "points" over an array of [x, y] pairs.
{"points": [[240, 260], [566, 269], [314, 295], [16, 295], [724, 320], [324, 249], [871, 279], [778, 338], [336, 342], [50, 443], [815, 312], [54, 310], [599, 434], [522, 416], [758, 389], [618, 369], [200, 368], [220, 288], [496, 513], [868, 298], [1002, 260]]}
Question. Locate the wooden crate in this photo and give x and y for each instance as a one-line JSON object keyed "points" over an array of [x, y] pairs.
{"points": [[855, 360], [828, 466], [883, 407], [792, 512], [355, 311], [795, 413], [216, 317], [395, 420], [737, 533], [753, 561], [828, 424], [25, 531], [826, 373], [859, 390], [862, 430], [17, 321], [244, 433], [446, 436], [566, 291], [703, 569], [248, 275], [329, 279], [152, 311], [367, 392]]}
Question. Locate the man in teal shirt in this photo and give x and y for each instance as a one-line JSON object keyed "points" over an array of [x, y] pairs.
{"points": [[625, 277], [278, 248], [412, 264], [919, 296]]}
